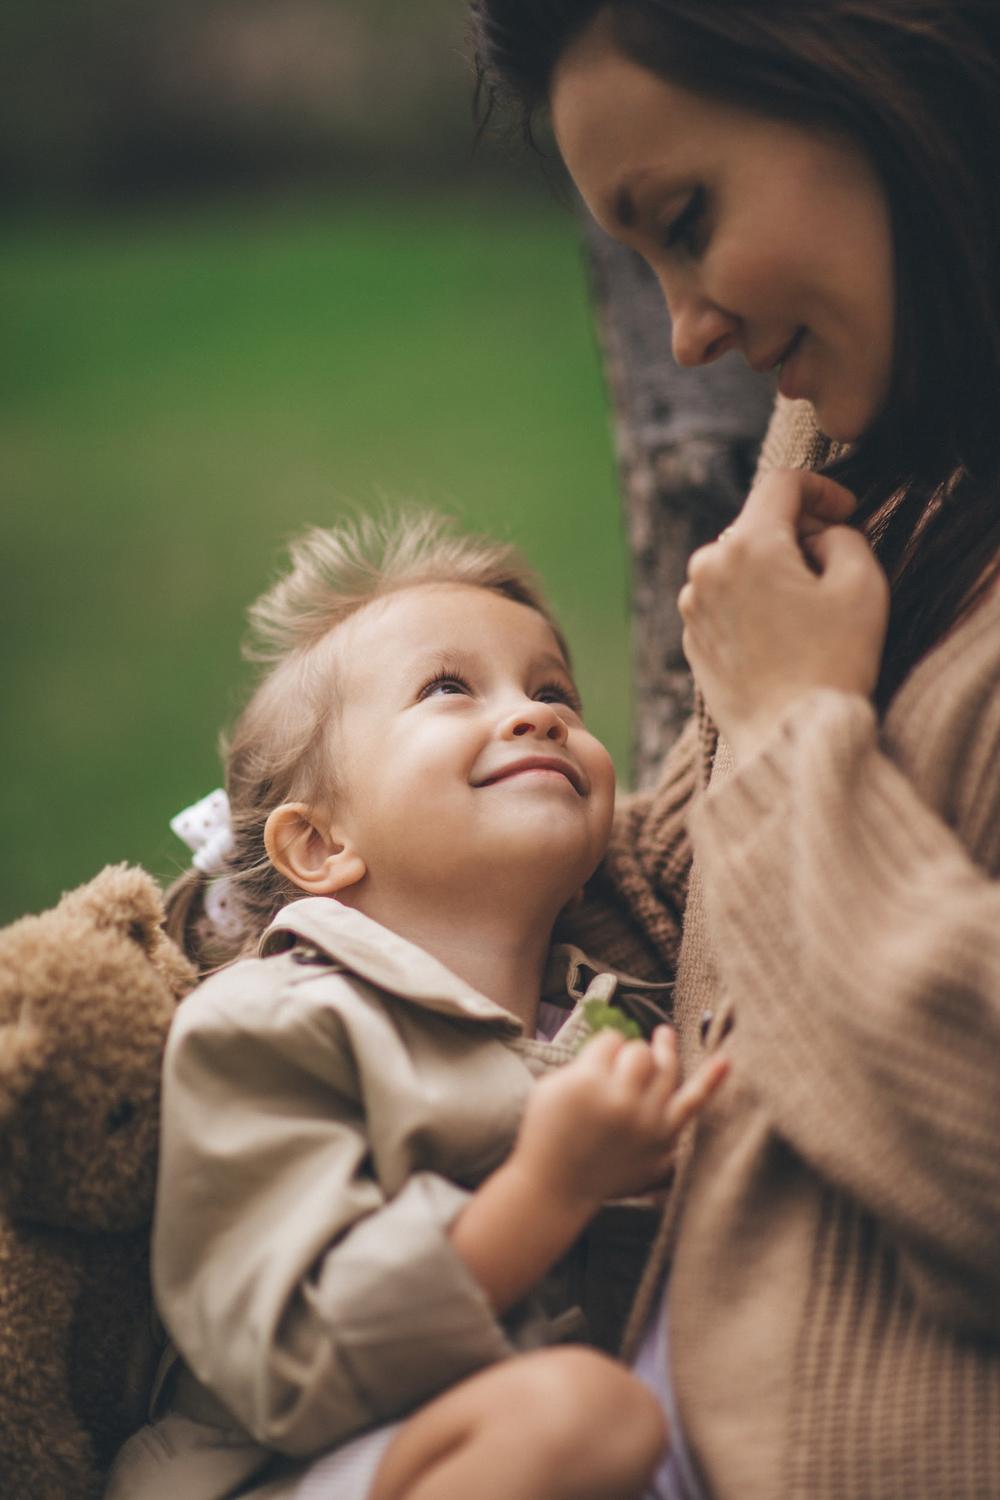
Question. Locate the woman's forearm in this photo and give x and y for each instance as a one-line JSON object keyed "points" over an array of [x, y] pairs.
{"points": [[863, 944]]}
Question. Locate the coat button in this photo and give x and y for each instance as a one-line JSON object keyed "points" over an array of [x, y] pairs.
{"points": [[705, 1025]]}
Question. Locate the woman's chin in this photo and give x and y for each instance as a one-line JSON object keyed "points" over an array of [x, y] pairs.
{"points": [[839, 423], [844, 418]]}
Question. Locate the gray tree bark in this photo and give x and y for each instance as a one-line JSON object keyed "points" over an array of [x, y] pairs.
{"points": [[687, 442]]}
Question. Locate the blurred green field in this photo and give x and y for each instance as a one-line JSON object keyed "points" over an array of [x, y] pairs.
{"points": [[181, 392]]}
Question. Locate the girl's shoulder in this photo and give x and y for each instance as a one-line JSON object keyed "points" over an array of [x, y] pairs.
{"points": [[259, 993]]}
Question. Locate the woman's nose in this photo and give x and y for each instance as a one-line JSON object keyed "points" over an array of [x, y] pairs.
{"points": [[538, 721], [701, 330]]}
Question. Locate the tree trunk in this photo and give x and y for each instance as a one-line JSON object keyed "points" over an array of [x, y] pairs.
{"points": [[687, 443]]}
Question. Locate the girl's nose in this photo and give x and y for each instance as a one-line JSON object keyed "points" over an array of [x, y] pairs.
{"points": [[538, 721]]}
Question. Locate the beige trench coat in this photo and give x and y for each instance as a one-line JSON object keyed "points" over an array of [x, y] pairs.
{"points": [[328, 1108]]}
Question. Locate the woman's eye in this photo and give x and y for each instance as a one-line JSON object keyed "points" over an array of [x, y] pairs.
{"points": [[443, 684], [685, 231]]}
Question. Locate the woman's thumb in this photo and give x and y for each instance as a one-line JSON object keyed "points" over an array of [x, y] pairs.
{"points": [[838, 551], [845, 562]]}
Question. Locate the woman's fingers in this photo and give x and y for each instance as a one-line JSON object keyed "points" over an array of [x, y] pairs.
{"points": [[843, 554], [686, 600], [797, 499]]}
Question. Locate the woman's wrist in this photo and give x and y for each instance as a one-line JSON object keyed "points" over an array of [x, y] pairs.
{"points": [[748, 738]]}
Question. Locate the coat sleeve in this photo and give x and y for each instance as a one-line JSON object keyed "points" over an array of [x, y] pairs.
{"points": [[306, 1301], [860, 946]]}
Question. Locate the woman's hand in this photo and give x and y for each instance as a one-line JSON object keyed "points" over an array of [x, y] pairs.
{"points": [[605, 1125], [763, 626]]}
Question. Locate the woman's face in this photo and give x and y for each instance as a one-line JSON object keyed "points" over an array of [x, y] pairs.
{"points": [[765, 237]]}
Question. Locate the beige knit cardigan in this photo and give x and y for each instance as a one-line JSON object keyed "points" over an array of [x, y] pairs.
{"points": [[833, 1238]]}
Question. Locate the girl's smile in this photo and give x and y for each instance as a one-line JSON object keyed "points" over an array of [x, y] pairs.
{"points": [[460, 754]]}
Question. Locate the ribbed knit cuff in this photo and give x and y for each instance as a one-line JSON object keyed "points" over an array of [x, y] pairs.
{"points": [[730, 811]]}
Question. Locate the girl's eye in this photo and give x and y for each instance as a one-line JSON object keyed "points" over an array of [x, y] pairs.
{"points": [[444, 683], [559, 692], [685, 231]]}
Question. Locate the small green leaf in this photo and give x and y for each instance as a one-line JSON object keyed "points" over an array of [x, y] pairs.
{"points": [[600, 1016]]}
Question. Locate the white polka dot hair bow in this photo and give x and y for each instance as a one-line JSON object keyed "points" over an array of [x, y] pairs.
{"points": [[206, 827]]}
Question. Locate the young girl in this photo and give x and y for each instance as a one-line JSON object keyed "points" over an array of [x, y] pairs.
{"points": [[363, 1188]]}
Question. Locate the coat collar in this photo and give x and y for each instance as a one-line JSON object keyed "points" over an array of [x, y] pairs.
{"points": [[354, 942]]}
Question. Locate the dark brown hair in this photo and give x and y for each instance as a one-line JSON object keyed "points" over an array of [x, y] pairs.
{"points": [[917, 84]]}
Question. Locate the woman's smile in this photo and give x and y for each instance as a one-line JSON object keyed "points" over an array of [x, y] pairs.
{"points": [[788, 366], [767, 238]]}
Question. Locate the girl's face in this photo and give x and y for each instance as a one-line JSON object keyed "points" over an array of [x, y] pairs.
{"points": [[766, 237], [462, 755]]}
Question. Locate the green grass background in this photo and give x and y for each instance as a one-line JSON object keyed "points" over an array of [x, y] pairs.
{"points": [[183, 391]]}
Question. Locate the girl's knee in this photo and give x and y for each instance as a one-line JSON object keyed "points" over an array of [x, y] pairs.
{"points": [[566, 1424], [588, 1405]]}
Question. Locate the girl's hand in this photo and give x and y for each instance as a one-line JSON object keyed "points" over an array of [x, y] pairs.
{"points": [[605, 1125], [763, 626]]}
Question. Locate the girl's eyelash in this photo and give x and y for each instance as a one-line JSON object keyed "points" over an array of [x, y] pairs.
{"points": [[564, 693], [560, 690], [439, 679], [680, 231]]}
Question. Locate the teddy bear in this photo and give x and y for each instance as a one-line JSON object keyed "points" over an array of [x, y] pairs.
{"points": [[87, 994]]}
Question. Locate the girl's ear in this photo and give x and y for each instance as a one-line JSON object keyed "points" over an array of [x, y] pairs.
{"points": [[318, 863]]}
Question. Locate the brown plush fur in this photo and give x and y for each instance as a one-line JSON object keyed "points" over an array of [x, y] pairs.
{"points": [[87, 993]]}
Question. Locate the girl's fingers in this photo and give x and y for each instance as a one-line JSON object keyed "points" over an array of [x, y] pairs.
{"points": [[664, 1047], [599, 1055], [695, 1093], [650, 1068], [635, 1064]]}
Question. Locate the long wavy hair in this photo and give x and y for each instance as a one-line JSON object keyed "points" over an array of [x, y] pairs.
{"points": [[917, 84]]}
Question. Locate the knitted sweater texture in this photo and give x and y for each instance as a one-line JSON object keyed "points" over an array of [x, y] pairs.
{"points": [[833, 1236]]}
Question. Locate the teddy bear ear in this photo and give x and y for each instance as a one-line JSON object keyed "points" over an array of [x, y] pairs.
{"points": [[122, 897]]}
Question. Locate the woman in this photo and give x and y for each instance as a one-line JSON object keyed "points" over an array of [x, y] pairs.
{"points": [[817, 187]]}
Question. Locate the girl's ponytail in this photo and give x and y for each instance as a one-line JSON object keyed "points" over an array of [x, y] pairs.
{"points": [[204, 915], [185, 907]]}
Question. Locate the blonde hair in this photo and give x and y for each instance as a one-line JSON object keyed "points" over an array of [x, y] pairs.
{"points": [[277, 750]]}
